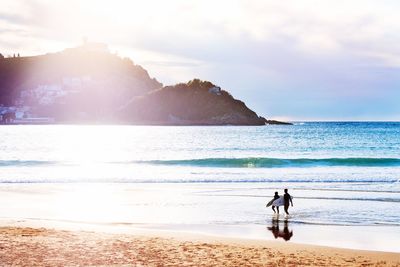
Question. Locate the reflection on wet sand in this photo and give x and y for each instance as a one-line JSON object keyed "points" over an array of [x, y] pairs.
{"points": [[286, 234]]}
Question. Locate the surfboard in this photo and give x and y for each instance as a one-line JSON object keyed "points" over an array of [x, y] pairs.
{"points": [[270, 203], [278, 202]]}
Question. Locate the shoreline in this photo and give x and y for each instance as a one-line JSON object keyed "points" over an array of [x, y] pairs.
{"points": [[138, 208], [35, 246], [335, 237]]}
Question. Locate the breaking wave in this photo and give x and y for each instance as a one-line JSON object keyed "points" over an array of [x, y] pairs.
{"points": [[278, 162], [26, 163]]}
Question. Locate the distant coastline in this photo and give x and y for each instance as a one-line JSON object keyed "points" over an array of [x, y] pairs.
{"points": [[88, 84]]}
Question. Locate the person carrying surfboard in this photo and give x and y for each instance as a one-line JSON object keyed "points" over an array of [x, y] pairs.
{"points": [[286, 199], [276, 196], [276, 201]]}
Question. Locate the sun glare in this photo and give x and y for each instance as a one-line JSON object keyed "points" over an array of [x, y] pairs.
{"points": [[90, 144]]}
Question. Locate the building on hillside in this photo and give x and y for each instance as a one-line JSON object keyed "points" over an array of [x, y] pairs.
{"points": [[7, 115], [215, 90], [95, 47]]}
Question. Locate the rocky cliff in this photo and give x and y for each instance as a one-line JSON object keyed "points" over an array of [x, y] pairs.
{"points": [[196, 103]]}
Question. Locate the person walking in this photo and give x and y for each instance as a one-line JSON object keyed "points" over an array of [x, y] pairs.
{"points": [[286, 200], [276, 196]]}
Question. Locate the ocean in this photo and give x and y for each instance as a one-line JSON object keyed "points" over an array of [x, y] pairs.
{"points": [[340, 174]]}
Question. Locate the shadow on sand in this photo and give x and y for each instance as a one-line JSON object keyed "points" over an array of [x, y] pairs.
{"points": [[278, 232]]}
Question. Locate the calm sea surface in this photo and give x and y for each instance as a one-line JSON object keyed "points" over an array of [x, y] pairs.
{"points": [[338, 173]]}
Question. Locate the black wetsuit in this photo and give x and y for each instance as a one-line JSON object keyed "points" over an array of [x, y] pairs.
{"points": [[286, 201]]}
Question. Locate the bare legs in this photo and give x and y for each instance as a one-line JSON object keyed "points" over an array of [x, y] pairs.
{"points": [[277, 208]]}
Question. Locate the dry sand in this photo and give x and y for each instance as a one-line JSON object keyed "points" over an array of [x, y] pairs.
{"points": [[24, 246]]}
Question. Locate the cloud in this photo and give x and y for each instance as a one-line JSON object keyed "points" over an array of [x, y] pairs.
{"points": [[12, 18]]}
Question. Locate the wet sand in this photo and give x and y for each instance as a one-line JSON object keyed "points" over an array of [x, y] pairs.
{"points": [[27, 246]]}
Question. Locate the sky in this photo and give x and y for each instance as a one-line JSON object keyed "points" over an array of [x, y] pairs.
{"points": [[290, 60]]}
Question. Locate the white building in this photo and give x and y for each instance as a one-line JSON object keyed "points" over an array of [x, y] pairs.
{"points": [[95, 47], [215, 90]]}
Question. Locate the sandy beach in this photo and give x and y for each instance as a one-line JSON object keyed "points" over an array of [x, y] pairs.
{"points": [[26, 246]]}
